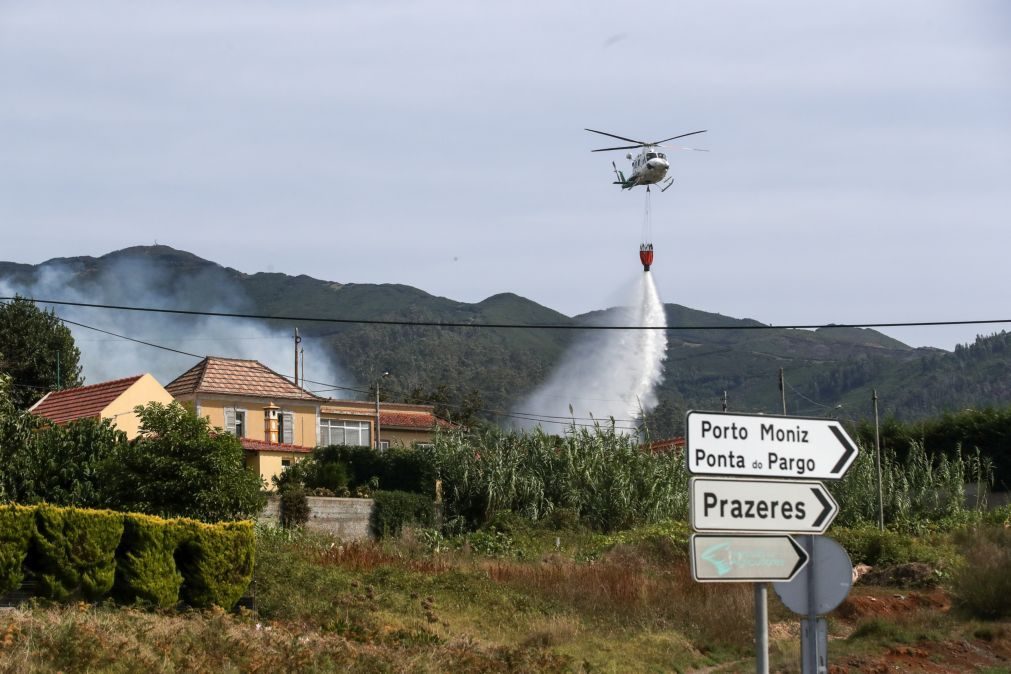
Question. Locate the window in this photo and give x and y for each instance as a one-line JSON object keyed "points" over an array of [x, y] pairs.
{"points": [[341, 432], [235, 421], [651, 155], [384, 444], [285, 463], [286, 427]]}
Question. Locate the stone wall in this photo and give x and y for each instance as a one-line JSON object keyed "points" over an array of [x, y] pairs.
{"points": [[347, 518]]}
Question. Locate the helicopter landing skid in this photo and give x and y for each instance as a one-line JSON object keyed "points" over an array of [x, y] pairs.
{"points": [[666, 185]]}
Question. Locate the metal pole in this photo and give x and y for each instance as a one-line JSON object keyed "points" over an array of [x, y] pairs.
{"points": [[782, 389], [297, 340], [877, 456], [809, 624], [57, 370], [761, 628], [378, 421]]}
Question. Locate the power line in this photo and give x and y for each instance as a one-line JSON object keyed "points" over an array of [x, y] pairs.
{"points": [[524, 416], [518, 326]]}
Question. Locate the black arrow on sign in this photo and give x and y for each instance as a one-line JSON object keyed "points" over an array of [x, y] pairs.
{"points": [[801, 557], [826, 504], [850, 449]]}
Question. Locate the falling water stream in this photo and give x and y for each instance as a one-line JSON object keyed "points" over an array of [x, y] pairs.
{"points": [[608, 373]]}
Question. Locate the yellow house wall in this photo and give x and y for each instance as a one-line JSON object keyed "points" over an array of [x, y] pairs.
{"points": [[143, 391], [404, 438], [268, 464], [305, 417]]}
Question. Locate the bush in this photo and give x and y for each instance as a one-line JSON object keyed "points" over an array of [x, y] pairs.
{"points": [[868, 545], [74, 551], [145, 561], [17, 525], [982, 585], [216, 562], [294, 507], [394, 509]]}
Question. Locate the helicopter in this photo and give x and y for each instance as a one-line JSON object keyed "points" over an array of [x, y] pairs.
{"points": [[649, 166]]}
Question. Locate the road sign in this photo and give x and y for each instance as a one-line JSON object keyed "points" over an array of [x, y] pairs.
{"points": [[766, 445], [821, 585], [773, 506], [745, 559]]}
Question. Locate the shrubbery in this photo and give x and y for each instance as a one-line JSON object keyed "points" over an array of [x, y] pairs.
{"points": [[216, 562], [73, 552], [982, 584], [145, 561], [392, 510], [17, 526], [294, 508], [76, 553]]}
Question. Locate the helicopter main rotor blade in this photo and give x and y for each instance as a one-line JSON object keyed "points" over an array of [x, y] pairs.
{"points": [[630, 140], [693, 149], [622, 147], [675, 137]]}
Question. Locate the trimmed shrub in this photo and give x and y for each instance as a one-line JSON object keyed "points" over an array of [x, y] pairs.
{"points": [[17, 524], [294, 507], [216, 562], [73, 553], [393, 509], [145, 561], [982, 584]]}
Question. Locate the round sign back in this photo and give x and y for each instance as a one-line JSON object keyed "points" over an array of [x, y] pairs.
{"points": [[821, 585]]}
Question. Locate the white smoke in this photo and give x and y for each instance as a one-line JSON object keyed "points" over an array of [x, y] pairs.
{"points": [[608, 373], [134, 282]]}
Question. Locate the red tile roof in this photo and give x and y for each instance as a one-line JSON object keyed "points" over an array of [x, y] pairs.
{"points": [[675, 445], [232, 376], [81, 402], [412, 420], [263, 446]]}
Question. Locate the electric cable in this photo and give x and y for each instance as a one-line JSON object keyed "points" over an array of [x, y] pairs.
{"points": [[515, 326]]}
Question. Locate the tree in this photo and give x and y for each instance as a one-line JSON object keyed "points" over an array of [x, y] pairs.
{"points": [[32, 342], [59, 464], [180, 467]]}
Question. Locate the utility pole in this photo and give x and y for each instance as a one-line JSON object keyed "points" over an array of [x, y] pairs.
{"points": [[877, 458], [298, 340], [378, 416], [782, 389], [58, 371]]}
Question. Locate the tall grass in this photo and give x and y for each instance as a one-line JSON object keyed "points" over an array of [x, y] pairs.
{"points": [[600, 474], [918, 488]]}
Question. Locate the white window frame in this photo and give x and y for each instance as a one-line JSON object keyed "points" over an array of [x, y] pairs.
{"points": [[328, 426]]}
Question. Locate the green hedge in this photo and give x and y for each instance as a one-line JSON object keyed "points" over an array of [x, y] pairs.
{"points": [[17, 526], [76, 553], [145, 561], [393, 509], [216, 562], [73, 553]]}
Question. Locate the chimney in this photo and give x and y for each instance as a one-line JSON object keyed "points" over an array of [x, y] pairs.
{"points": [[270, 423]]}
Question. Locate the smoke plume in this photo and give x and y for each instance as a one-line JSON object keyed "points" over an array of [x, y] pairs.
{"points": [[144, 282]]}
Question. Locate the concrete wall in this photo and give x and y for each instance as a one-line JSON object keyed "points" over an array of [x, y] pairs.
{"points": [[347, 518], [402, 437]]}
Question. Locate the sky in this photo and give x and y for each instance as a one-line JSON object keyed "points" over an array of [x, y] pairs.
{"points": [[858, 170]]}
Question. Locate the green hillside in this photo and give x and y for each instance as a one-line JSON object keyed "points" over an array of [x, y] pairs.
{"points": [[829, 371]]}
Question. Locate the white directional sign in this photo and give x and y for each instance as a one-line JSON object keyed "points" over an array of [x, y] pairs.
{"points": [[760, 445], [745, 559], [773, 506]]}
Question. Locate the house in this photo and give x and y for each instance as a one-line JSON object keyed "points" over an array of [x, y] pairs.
{"points": [[114, 400], [279, 422]]}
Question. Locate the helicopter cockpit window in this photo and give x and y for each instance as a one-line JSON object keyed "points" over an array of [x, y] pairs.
{"points": [[651, 155], [661, 155]]}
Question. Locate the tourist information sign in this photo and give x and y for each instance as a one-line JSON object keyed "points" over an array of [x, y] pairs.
{"points": [[772, 506], [745, 559], [766, 445]]}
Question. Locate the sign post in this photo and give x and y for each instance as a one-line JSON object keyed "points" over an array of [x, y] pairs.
{"points": [[760, 475]]}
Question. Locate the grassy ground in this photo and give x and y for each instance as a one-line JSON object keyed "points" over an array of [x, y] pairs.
{"points": [[527, 601]]}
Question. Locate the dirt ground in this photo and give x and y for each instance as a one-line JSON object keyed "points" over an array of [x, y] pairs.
{"points": [[939, 642]]}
